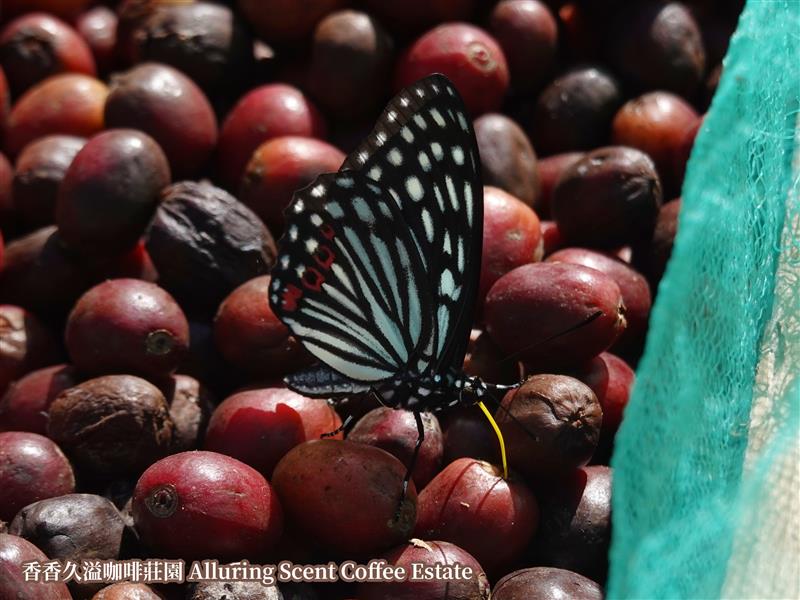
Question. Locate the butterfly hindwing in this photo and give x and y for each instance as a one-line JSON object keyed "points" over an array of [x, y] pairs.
{"points": [[346, 282], [423, 151]]}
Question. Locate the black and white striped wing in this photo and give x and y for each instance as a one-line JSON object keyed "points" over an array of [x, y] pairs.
{"points": [[347, 282], [424, 153]]}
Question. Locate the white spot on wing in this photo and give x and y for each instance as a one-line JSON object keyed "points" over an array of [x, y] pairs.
{"points": [[311, 245], [436, 148], [395, 157], [299, 206], [446, 285], [293, 232], [458, 155], [420, 121], [427, 222], [451, 191], [468, 200], [363, 210], [414, 188], [334, 209], [437, 116], [407, 134], [318, 191], [463, 122], [284, 262], [316, 220], [424, 161], [446, 247], [374, 173], [346, 182]]}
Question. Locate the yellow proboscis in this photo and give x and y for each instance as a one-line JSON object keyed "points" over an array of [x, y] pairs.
{"points": [[499, 437]]}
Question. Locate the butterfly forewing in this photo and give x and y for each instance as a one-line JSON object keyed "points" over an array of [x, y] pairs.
{"points": [[423, 152], [346, 282]]}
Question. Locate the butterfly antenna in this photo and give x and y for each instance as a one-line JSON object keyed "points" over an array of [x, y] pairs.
{"points": [[586, 321], [499, 435]]}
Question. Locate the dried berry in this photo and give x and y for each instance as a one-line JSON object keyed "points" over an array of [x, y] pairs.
{"points": [[25, 344], [112, 424], [551, 425], [204, 243]]}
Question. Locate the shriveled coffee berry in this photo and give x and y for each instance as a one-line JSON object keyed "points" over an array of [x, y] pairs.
{"points": [[608, 198], [551, 425], [25, 344], [112, 424], [127, 326], [72, 527], [204, 243]]}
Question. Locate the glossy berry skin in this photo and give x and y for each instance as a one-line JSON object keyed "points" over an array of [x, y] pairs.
{"points": [[467, 55], [550, 169], [168, 106], [24, 405], [251, 337], [32, 468], [269, 111], [110, 192], [656, 123], [260, 426], [575, 528], [351, 60], [429, 554], [511, 237], [538, 301], [344, 496], [396, 432], [470, 504], [546, 583], [127, 326], [278, 168], [39, 171], [14, 553], [98, 27], [36, 46], [285, 21], [201, 505], [68, 104], [528, 34], [507, 157], [632, 285]]}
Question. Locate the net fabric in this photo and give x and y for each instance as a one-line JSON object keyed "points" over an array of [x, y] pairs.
{"points": [[706, 484]]}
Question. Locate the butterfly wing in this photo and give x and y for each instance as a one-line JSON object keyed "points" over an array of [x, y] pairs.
{"points": [[347, 282], [423, 151]]}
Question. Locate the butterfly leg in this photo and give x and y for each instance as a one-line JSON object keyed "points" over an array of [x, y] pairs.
{"points": [[412, 464], [339, 429]]}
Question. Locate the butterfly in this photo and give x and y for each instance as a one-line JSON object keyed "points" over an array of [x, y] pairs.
{"points": [[378, 267]]}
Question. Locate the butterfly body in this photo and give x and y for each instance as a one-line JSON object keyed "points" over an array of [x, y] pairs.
{"points": [[379, 263]]}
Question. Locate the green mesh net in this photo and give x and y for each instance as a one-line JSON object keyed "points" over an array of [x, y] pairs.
{"points": [[707, 475]]}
